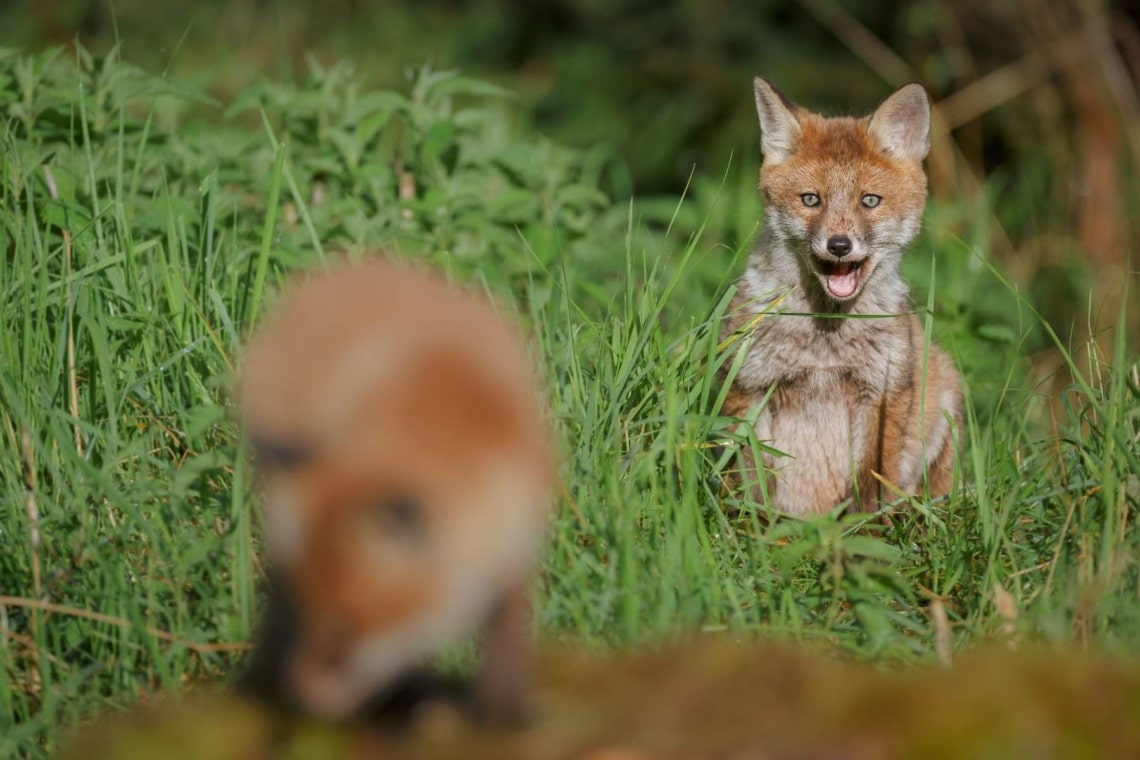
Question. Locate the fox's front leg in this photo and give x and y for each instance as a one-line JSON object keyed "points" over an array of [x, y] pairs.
{"points": [[882, 449], [506, 675], [915, 437], [262, 677], [745, 476], [943, 414], [866, 425]]}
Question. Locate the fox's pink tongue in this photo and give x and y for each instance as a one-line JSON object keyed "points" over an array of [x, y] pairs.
{"points": [[842, 282]]}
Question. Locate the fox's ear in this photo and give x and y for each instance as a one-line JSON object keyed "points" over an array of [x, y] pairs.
{"points": [[779, 130], [901, 124]]}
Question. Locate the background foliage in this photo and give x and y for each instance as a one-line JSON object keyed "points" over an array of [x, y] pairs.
{"points": [[1038, 135]]}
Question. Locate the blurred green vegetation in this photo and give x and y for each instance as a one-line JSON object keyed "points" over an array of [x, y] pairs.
{"points": [[662, 92], [611, 72], [708, 698]]}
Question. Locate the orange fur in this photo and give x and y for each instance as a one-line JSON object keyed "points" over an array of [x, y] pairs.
{"points": [[413, 508]]}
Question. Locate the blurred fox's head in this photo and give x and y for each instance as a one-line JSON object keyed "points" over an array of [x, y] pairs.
{"points": [[406, 472], [846, 195]]}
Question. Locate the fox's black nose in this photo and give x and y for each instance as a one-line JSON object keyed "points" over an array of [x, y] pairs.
{"points": [[839, 245]]}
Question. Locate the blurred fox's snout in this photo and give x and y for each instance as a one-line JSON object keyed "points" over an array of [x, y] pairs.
{"points": [[398, 431]]}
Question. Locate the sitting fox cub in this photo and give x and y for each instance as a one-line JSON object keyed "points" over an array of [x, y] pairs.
{"points": [[857, 405]]}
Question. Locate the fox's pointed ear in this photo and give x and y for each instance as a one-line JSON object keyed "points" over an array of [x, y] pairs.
{"points": [[901, 125], [779, 129]]}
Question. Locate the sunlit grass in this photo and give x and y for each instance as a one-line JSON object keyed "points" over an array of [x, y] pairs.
{"points": [[136, 258]]}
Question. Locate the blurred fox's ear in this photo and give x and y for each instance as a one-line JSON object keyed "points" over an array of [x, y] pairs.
{"points": [[779, 129], [901, 125]]}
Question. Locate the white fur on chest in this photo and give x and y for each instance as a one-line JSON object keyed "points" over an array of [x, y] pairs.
{"points": [[792, 348], [826, 378], [825, 375], [816, 428]]}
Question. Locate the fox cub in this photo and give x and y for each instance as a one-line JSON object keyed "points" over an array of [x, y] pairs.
{"points": [[407, 474], [852, 402]]}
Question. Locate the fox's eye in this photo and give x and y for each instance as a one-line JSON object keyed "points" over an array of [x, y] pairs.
{"points": [[274, 453], [870, 201], [810, 199], [398, 517]]}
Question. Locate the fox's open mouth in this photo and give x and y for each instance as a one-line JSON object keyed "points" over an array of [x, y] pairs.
{"points": [[841, 278]]}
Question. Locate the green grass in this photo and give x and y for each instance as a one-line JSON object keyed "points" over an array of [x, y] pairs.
{"points": [[136, 257]]}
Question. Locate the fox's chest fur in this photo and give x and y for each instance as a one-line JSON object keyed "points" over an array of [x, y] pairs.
{"points": [[826, 380], [790, 347]]}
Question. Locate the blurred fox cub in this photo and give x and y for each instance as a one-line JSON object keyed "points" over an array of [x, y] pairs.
{"points": [[407, 473], [849, 399]]}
